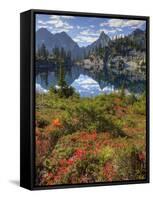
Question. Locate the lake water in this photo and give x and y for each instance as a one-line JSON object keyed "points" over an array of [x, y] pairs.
{"points": [[87, 82]]}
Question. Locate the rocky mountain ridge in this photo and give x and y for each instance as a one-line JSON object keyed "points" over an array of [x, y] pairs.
{"points": [[63, 40]]}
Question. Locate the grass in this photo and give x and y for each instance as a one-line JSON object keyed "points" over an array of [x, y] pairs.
{"points": [[82, 140]]}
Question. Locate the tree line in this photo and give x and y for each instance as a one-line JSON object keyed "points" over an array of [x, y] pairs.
{"points": [[43, 54]]}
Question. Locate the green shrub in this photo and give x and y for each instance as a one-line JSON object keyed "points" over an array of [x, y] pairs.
{"points": [[139, 108], [131, 99], [88, 167], [54, 136], [130, 122], [41, 122], [106, 154], [130, 167]]}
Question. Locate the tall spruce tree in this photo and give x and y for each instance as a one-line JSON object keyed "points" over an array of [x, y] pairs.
{"points": [[62, 83]]}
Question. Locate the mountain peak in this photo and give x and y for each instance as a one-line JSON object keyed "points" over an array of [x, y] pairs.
{"points": [[102, 34], [138, 31], [63, 33], [43, 30], [44, 33], [102, 41]]}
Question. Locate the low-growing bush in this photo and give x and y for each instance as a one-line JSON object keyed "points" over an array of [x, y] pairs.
{"points": [[131, 166], [41, 122], [106, 154], [139, 108], [81, 140]]}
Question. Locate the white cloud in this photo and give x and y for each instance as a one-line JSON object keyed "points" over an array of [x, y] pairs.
{"points": [[104, 24], [119, 29], [84, 39], [121, 23], [42, 26], [82, 27], [67, 17], [54, 17], [88, 32], [96, 34], [56, 22], [78, 27], [54, 30], [61, 17], [41, 22], [107, 31]]}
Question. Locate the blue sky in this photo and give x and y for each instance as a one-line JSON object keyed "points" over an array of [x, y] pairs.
{"points": [[85, 30]]}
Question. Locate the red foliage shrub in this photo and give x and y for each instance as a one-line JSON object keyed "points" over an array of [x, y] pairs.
{"points": [[79, 153], [108, 171], [141, 156]]}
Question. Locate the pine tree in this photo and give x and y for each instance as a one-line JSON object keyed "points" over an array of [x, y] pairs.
{"points": [[38, 52], [43, 51], [56, 53], [62, 83]]}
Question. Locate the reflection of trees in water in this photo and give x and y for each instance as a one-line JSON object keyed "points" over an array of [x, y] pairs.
{"points": [[126, 81], [44, 77], [49, 76]]}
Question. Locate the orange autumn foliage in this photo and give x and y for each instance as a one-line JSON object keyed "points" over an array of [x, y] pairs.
{"points": [[56, 123]]}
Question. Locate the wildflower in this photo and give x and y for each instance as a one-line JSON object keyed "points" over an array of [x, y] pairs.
{"points": [[56, 122]]}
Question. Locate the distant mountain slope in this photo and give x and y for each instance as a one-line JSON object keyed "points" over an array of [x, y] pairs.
{"points": [[64, 40], [44, 36], [58, 40], [139, 37]]}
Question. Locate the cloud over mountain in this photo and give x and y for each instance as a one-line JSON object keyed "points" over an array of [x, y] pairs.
{"points": [[85, 30]]}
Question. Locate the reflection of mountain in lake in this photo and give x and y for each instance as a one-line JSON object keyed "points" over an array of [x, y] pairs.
{"points": [[40, 89], [100, 80], [86, 86]]}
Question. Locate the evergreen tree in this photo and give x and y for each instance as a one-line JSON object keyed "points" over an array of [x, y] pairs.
{"points": [[56, 53], [38, 52], [43, 51], [122, 91], [62, 83], [68, 58], [62, 53]]}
